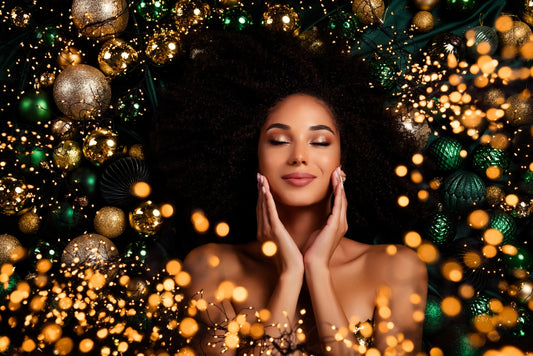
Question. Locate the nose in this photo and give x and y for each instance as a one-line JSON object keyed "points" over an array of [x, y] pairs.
{"points": [[298, 155]]}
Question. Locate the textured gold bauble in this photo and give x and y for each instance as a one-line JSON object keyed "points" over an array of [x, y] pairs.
{"points": [[99, 145], [423, 21], [19, 17], [136, 151], [29, 223], [311, 40], [408, 124], [110, 221], [63, 129], [516, 36], [520, 111], [8, 245], [281, 18], [81, 92], [494, 97], [426, 5], [368, 12], [495, 195], [69, 56], [14, 194], [92, 251], [67, 155], [163, 47], [116, 57], [100, 19], [146, 218], [189, 14]]}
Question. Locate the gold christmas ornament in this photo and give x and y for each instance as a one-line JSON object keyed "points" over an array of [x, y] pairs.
{"points": [[520, 111], [110, 221], [137, 288], [281, 18], [19, 17], [417, 128], [163, 47], [189, 14], [146, 218], [368, 12], [426, 5], [136, 151], [99, 145], [423, 21], [116, 57], [29, 223], [524, 290], [516, 36], [312, 41], [100, 19], [14, 194], [63, 129], [8, 245], [91, 251], [527, 12], [81, 92], [69, 56], [47, 79], [495, 195], [67, 155]]}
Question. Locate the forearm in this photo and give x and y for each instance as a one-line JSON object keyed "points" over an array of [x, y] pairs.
{"points": [[283, 303]]}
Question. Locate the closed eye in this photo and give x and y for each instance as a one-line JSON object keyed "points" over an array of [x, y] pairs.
{"points": [[324, 144], [277, 142]]}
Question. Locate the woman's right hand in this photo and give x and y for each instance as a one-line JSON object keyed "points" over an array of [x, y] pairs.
{"points": [[288, 257]]}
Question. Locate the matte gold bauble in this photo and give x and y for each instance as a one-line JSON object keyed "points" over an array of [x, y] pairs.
{"points": [[368, 12], [495, 195], [189, 14], [29, 223], [14, 194], [163, 47], [100, 19], [91, 251], [423, 21], [110, 221], [81, 92], [516, 36], [281, 18], [8, 245], [69, 56], [67, 155], [63, 129], [116, 57], [136, 151], [99, 145], [520, 111], [426, 5], [146, 218]]}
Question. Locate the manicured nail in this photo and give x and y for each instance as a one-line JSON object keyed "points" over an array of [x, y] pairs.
{"points": [[263, 189]]}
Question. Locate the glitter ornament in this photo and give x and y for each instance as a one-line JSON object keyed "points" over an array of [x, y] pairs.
{"points": [[524, 324], [426, 5], [100, 19], [505, 224], [441, 229], [236, 18], [92, 251], [118, 178], [152, 10], [477, 35], [81, 92], [478, 305], [368, 12], [19, 17], [516, 36], [8, 245], [100, 145], [35, 107], [434, 317], [342, 25], [492, 98], [485, 156], [519, 264], [14, 194], [29, 223], [136, 151], [526, 182], [446, 153], [69, 56], [407, 124], [311, 39], [110, 221], [190, 14], [423, 21], [281, 18], [445, 44], [67, 155], [146, 218], [520, 110], [384, 71], [522, 209], [116, 57], [63, 129], [460, 7], [8, 286], [163, 47], [463, 190], [495, 195]]}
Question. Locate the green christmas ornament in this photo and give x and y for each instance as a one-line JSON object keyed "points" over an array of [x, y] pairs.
{"points": [[477, 305], [7, 288], [343, 24], [47, 35], [524, 323], [66, 216], [526, 182], [35, 107], [485, 156], [446, 153], [43, 250], [460, 7], [521, 261], [476, 35], [462, 190], [85, 180], [441, 229], [435, 318], [152, 10], [505, 224], [136, 253], [385, 72], [131, 107], [236, 18]]}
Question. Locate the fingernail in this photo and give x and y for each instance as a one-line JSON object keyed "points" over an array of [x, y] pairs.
{"points": [[263, 189], [258, 178]]}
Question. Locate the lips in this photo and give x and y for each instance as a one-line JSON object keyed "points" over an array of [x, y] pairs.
{"points": [[298, 179]]}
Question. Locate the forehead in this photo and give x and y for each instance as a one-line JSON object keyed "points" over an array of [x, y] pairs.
{"points": [[301, 109]]}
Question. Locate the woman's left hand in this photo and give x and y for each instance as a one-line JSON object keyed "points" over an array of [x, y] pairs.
{"points": [[322, 243]]}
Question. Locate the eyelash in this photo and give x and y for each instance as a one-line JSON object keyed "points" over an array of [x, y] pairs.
{"points": [[279, 143]]}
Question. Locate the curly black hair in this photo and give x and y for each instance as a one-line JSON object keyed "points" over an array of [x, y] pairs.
{"points": [[205, 132]]}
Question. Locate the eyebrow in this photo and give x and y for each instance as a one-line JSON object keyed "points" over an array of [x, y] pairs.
{"points": [[312, 128]]}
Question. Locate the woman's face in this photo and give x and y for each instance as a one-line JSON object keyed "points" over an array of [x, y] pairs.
{"points": [[298, 150]]}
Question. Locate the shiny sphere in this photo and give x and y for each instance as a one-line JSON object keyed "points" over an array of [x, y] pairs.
{"points": [[281, 18], [19, 17], [69, 56], [163, 47], [67, 155], [63, 129], [190, 14], [116, 57], [368, 12], [14, 194], [146, 218], [100, 19], [426, 5], [100, 145]]}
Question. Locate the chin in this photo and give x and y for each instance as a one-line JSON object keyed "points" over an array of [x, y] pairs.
{"points": [[300, 198]]}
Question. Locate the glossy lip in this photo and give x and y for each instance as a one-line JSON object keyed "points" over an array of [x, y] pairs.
{"points": [[298, 179]]}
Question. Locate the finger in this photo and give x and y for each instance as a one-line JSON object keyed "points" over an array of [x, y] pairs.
{"points": [[259, 208], [270, 204]]}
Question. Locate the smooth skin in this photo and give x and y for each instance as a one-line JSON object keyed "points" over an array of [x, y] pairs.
{"points": [[337, 281]]}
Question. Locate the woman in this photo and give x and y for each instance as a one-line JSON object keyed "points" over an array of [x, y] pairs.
{"points": [[318, 283]]}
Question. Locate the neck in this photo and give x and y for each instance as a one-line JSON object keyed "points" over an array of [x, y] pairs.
{"points": [[301, 222]]}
